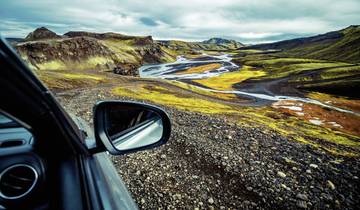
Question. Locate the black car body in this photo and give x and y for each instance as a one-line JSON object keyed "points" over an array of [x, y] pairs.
{"points": [[49, 160]]}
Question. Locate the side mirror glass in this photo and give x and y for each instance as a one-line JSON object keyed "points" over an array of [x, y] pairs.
{"points": [[125, 127]]}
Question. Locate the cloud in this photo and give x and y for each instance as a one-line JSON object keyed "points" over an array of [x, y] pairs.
{"points": [[148, 21], [244, 20]]}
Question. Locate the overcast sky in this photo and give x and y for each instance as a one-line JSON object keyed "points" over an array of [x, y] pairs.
{"points": [[248, 21]]}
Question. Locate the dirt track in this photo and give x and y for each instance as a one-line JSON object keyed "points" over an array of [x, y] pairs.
{"points": [[210, 162]]}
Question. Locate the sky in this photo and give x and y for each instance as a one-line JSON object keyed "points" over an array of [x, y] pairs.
{"points": [[247, 21]]}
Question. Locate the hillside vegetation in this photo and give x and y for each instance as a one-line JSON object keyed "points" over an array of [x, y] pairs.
{"points": [[342, 45], [213, 44], [45, 50]]}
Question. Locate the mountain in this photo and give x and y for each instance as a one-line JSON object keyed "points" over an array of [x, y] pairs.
{"points": [[43, 49], [342, 45], [138, 40], [41, 33], [214, 44], [221, 41]]}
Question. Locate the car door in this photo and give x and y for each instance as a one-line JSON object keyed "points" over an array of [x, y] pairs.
{"points": [[74, 177]]}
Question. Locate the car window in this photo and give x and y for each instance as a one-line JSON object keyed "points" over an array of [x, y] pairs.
{"points": [[6, 122]]}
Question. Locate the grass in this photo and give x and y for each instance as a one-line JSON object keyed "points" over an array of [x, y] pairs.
{"points": [[163, 96], [282, 67], [124, 51], [342, 102], [193, 88], [340, 72], [94, 62], [344, 48], [302, 131], [281, 62], [63, 80], [227, 80], [265, 117], [51, 65], [292, 69], [127, 52], [201, 68]]}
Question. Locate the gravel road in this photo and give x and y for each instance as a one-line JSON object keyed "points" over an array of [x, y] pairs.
{"points": [[213, 163]]}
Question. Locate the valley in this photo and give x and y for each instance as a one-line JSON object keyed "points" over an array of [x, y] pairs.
{"points": [[254, 126]]}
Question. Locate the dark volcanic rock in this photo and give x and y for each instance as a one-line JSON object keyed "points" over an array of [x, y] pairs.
{"points": [[41, 33], [213, 163], [75, 49], [138, 40], [126, 69]]}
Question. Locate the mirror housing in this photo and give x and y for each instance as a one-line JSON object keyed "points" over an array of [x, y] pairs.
{"points": [[123, 127]]}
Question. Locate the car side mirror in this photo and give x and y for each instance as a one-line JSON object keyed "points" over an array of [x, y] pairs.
{"points": [[125, 127]]}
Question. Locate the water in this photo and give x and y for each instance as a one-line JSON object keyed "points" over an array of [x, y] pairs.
{"points": [[168, 70]]}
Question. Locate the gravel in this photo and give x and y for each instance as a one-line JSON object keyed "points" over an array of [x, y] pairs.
{"points": [[213, 163]]}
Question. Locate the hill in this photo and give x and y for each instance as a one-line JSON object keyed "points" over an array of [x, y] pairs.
{"points": [[213, 44], [41, 33], [224, 42], [43, 49], [342, 45]]}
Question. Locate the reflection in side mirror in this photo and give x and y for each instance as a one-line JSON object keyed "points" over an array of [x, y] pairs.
{"points": [[127, 126], [132, 127]]}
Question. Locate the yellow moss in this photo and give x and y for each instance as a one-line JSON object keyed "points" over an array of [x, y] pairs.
{"points": [[283, 61], [250, 51], [97, 60], [226, 80], [342, 102], [123, 50], [82, 76], [301, 131], [201, 69], [166, 97], [64, 80], [193, 88], [90, 63], [51, 65]]}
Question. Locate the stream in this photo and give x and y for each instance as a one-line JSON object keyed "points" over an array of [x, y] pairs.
{"points": [[168, 70]]}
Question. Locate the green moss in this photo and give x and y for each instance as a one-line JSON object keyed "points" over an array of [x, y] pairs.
{"points": [[94, 62], [196, 89], [164, 96], [267, 118], [51, 65], [98, 60], [225, 81], [63, 80]]}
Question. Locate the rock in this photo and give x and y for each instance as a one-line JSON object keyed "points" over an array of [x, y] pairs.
{"points": [[308, 171], [301, 204], [211, 200], [281, 174], [41, 33], [142, 201], [314, 166], [302, 197], [285, 187], [163, 156], [330, 185]]}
